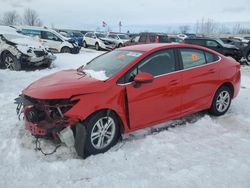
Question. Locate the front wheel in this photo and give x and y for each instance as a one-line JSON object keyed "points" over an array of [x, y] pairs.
{"points": [[65, 50], [221, 101], [102, 132], [11, 62]]}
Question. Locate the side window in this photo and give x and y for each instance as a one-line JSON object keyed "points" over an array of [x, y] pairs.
{"points": [[31, 33], [87, 35], [211, 43], [152, 38], [143, 38], [211, 57], [50, 36], [135, 39], [192, 57], [163, 38], [159, 63]]}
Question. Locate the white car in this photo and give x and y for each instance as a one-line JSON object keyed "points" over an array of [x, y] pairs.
{"points": [[17, 51], [98, 40], [52, 39], [119, 38], [242, 39]]}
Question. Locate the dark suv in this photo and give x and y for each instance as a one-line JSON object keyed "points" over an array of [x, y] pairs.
{"points": [[217, 45], [146, 38]]}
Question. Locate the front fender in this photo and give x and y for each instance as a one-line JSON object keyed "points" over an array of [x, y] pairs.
{"points": [[113, 99]]}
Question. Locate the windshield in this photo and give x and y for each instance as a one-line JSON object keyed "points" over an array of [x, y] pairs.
{"points": [[124, 37], [100, 35], [111, 63], [220, 42]]}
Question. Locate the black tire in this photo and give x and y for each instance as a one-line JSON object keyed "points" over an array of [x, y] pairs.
{"points": [[65, 50], [120, 45], [220, 106], [11, 62], [91, 143], [97, 47], [46, 64], [85, 44], [248, 56]]}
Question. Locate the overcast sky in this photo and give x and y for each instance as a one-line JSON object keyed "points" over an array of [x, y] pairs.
{"points": [[83, 14]]}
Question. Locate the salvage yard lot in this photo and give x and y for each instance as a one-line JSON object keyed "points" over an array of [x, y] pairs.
{"points": [[209, 152]]}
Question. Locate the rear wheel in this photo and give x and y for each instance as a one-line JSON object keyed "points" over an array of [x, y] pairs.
{"points": [[102, 133], [65, 50], [221, 101], [11, 62], [120, 45]]}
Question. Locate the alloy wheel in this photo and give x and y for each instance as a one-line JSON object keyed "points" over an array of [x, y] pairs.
{"points": [[9, 63], [223, 101], [103, 132]]}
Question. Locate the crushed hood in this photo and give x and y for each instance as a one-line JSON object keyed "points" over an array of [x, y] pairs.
{"points": [[64, 84]]}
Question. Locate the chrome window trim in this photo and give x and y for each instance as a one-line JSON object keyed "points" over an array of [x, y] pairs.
{"points": [[177, 71]]}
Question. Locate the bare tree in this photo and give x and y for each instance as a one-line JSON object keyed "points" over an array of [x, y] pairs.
{"points": [[206, 26], [184, 28], [11, 18], [236, 28], [31, 17]]}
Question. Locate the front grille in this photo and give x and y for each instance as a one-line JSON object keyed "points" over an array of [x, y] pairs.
{"points": [[34, 115], [40, 53]]}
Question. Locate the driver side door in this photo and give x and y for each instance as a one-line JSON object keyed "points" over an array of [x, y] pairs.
{"points": [[150, 103]]}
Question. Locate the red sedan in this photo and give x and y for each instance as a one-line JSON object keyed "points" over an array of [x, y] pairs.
{"points": [[128, 89]]}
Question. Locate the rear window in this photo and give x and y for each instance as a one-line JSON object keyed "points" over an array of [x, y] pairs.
{"points": [[211, 57], [163, 38], [192, 57]]}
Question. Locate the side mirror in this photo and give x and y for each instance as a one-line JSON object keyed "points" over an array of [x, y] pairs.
{"points": [[143, 77]]}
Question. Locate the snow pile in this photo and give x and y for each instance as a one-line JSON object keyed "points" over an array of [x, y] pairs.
{"points": [[210, 152], [99, 75]]}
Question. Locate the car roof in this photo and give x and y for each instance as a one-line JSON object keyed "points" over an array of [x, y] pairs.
{"points": [[154, 46]]}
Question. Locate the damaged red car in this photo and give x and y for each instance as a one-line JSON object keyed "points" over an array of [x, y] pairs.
{"points": [[128, 89]]}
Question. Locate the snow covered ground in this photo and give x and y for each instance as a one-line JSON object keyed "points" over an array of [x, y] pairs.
{"points": [[210, 152]]}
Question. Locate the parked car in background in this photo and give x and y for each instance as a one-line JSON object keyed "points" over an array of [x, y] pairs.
{"points": [[217, 45], [52, 39], [17, 50], [119, 38], [147, 38], [242, 39], [175, 39], [246, 53], [75, 35], [128, 89], [237, 43], [99, 41]]}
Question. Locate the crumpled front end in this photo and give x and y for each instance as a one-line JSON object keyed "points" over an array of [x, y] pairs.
{"points": [[45, 118]]}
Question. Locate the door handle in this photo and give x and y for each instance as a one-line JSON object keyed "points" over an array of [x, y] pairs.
{"points": [[173, 82], [211, 71]]}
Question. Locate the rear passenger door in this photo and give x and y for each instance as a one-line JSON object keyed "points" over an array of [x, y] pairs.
{"points": [[199, 79]]}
